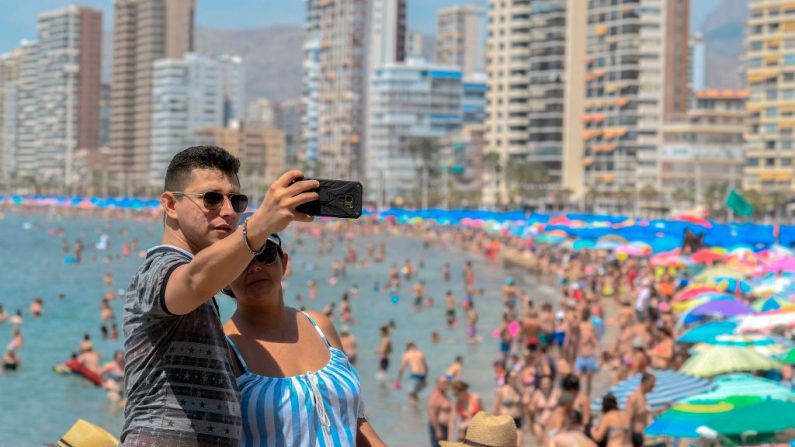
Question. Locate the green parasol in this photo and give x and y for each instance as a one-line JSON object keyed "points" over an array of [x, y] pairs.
{"points": [[726, 359]]}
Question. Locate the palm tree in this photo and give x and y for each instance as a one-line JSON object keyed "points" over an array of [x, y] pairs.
{"points": [[682, 195], [424, 150], [527, 179]]}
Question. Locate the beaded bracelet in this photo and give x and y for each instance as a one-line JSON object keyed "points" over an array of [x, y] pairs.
{"points": [[245, 240]]}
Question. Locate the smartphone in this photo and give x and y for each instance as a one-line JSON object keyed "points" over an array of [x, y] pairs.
{"points": [[338, 198]]}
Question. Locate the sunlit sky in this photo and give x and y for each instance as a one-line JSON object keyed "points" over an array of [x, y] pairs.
{"points": [[18, 19]]}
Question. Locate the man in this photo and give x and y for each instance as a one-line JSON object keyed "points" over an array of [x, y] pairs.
{"points": [[415, 360], [180, 386], [440, 410], [587, 347], [638, 410], [384, 350]]}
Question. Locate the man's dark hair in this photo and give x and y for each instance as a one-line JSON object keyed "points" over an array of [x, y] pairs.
{"points": [[646, 377], [199, 157]]}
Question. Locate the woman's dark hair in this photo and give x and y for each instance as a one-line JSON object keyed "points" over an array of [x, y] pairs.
{"points": [[570, 383], [609, 403], [199, 157]]}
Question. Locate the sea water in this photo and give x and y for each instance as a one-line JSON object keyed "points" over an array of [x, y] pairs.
{"points": [[38, 406]]}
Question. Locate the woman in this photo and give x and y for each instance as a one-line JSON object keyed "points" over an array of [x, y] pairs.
{"points": [[467, 405], [662, 353], [508, 400], [613, 429], [11, 361], [541, 405], [113, 377], [296, 384]]}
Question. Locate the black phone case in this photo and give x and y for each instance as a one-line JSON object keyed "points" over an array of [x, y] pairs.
{"points": [[338, 198]]}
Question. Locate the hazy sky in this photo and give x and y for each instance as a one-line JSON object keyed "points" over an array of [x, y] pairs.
{"points": [[18, 19]]}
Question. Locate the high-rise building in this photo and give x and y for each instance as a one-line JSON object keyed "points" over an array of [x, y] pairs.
{"points": [[770, 75], [387, 33], [143, 32], [234, 79], [459, 38], [703, 149], [535, 59], [410, 101], [9, 82], [259, 146], [187, 94], [636, 76], [288, 119], [698, 63], [262, 110], [57, 95], [334, 84], [473, 99], [420, 45]]}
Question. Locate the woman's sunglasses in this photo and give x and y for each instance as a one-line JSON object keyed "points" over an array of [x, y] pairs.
{"points": [[213, 200], [269, 255]]}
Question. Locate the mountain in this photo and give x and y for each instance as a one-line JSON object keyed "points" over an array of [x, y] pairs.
{"points": [[724, 32], [272, 57]]}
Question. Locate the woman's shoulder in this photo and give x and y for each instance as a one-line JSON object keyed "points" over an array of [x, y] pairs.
{"points": [[326, 326]]}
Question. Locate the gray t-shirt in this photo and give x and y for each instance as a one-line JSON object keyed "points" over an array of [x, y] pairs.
{"points": [[181, 389]]}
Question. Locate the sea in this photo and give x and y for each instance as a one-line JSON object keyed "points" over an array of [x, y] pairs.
{"points": [[38, 406]]}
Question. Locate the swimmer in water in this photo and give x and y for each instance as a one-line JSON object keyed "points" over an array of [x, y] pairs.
{"points": [[37, 307]]}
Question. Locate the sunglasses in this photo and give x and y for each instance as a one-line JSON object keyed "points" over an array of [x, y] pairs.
{"points": [[213, 200], [269, 255]]}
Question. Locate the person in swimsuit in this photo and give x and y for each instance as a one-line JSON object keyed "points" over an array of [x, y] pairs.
{"points": [[637, 408], [508, 400], [439, 409], [3, 314], [349, 345], [454, 371], [449, 302], [541, 405], [414, 359], [613, 429], [113, 375], [467, 405], [384, 350], [472, 322], [297, 386], [11, 361]]}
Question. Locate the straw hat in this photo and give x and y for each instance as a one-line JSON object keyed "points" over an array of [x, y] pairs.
{"points": [[86, 434], [487, 430]]}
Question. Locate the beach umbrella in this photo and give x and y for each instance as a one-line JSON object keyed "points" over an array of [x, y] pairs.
{"points": [[694, 292], [607, 245], [613, 238], [726, 359], [717, 307], [708, 331], [686, 306], [733, 417], [732, 284], [671, 386], [742, 384], [584, 244], [786, 264], [742, 340], [706, 256], [766, 322], [769, 350], [693, 219], [772, 303], [709, 274], [771, 286], [789, 357]]}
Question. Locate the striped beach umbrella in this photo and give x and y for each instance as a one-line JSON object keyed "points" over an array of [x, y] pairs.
{"points": [[671, 386], [741, 384], [772, 303]]}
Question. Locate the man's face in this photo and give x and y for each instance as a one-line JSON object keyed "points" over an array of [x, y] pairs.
{"points": [[200, 226], [649, 385]]}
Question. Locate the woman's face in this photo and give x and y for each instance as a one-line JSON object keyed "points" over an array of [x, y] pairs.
{"points": [[259, 281]]}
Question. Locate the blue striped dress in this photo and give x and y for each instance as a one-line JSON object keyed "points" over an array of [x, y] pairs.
{"points": [[320, 408]]}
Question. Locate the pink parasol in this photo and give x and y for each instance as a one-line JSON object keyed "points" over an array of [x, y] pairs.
{"points": [[786, 264]]}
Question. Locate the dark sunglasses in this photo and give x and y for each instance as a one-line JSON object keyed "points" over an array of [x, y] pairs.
{"points": [[269, 255], [213, 200]]}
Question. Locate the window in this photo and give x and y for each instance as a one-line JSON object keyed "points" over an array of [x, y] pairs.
{"points": [[753, 162], [771, 111]]}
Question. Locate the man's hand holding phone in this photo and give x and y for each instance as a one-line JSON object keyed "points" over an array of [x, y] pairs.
{"points": [[278, 207]]}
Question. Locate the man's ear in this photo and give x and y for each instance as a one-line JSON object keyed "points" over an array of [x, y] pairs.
{"points": [[168, 201], [285, 260]]}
